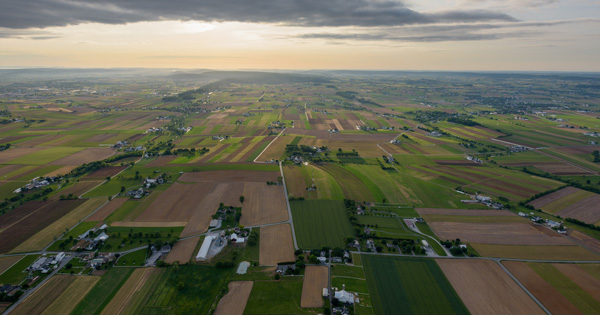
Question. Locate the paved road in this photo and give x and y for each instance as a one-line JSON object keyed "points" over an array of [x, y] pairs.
{"points": [[287, 202]]}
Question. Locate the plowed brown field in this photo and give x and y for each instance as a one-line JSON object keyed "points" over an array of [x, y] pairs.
{"points": [[234, 302], [182, 251], [315, 279], [497, 233], [276, 244], [107, 210], [263, 204], [485, 289]]}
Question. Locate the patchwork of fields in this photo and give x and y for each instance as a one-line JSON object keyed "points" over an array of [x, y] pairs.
{"points": [[385, 173]]}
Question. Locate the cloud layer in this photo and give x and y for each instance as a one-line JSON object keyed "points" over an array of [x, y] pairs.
{"points": [[19, 14]]}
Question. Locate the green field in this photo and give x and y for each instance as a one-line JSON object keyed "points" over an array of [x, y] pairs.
{"points": [[102, 292], [276, 298], [15, 274], [320, 223], [201, 284], [409, 286], [133, 259]]}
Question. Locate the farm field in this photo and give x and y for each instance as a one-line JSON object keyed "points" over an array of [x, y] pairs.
{"points": [[70, 297], [234, 302], [276, 244], [7, 262], [106, 210], [36, 215], [134, 292], [276, 298], [182, 251], [315, 279], [571, 202], [409, 285], [320, 223], [104, 290], [553, 252], [157, 154], [45, 295], [484, 288], [498, 233], [548, 294], [54, 230], [15, 274], [201, 285]]}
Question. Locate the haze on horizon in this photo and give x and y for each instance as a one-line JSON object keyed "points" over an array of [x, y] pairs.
{"points": [[513, 35]]}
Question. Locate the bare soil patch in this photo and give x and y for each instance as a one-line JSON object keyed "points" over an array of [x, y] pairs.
{"points": [[540, 202], [485, 289], [494, 213], [181, 201], [102, 173], [584, 149], [555, 302], [182, 251], [107, 210], [227, 193], [61, 171], [456, 162], [34, 217], [263, 204], [562, 169], [44, 296], [229, 176], [276, 244], [85, 156], [497, 233], [586, 210], [315, 279], [234, 302]]}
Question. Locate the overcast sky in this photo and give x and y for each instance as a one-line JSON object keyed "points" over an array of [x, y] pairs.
{"points": [[541, 35]]}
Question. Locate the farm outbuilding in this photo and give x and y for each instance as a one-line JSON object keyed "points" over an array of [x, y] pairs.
{"points": [[205, 247]]}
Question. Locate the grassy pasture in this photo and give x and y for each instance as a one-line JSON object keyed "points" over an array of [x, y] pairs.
{"points": [[320, 223], [201, 284], [15, 274], [276, 297], [409, 285]]}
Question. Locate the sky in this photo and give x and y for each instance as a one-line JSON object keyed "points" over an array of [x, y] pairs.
{"points": [[455, 35]]}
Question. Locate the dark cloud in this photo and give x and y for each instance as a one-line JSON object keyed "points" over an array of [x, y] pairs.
{"points": [[20, 14]]}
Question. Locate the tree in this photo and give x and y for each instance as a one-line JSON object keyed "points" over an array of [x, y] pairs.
{"points": [[180, 286], [122, 189], [242, 199]]}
